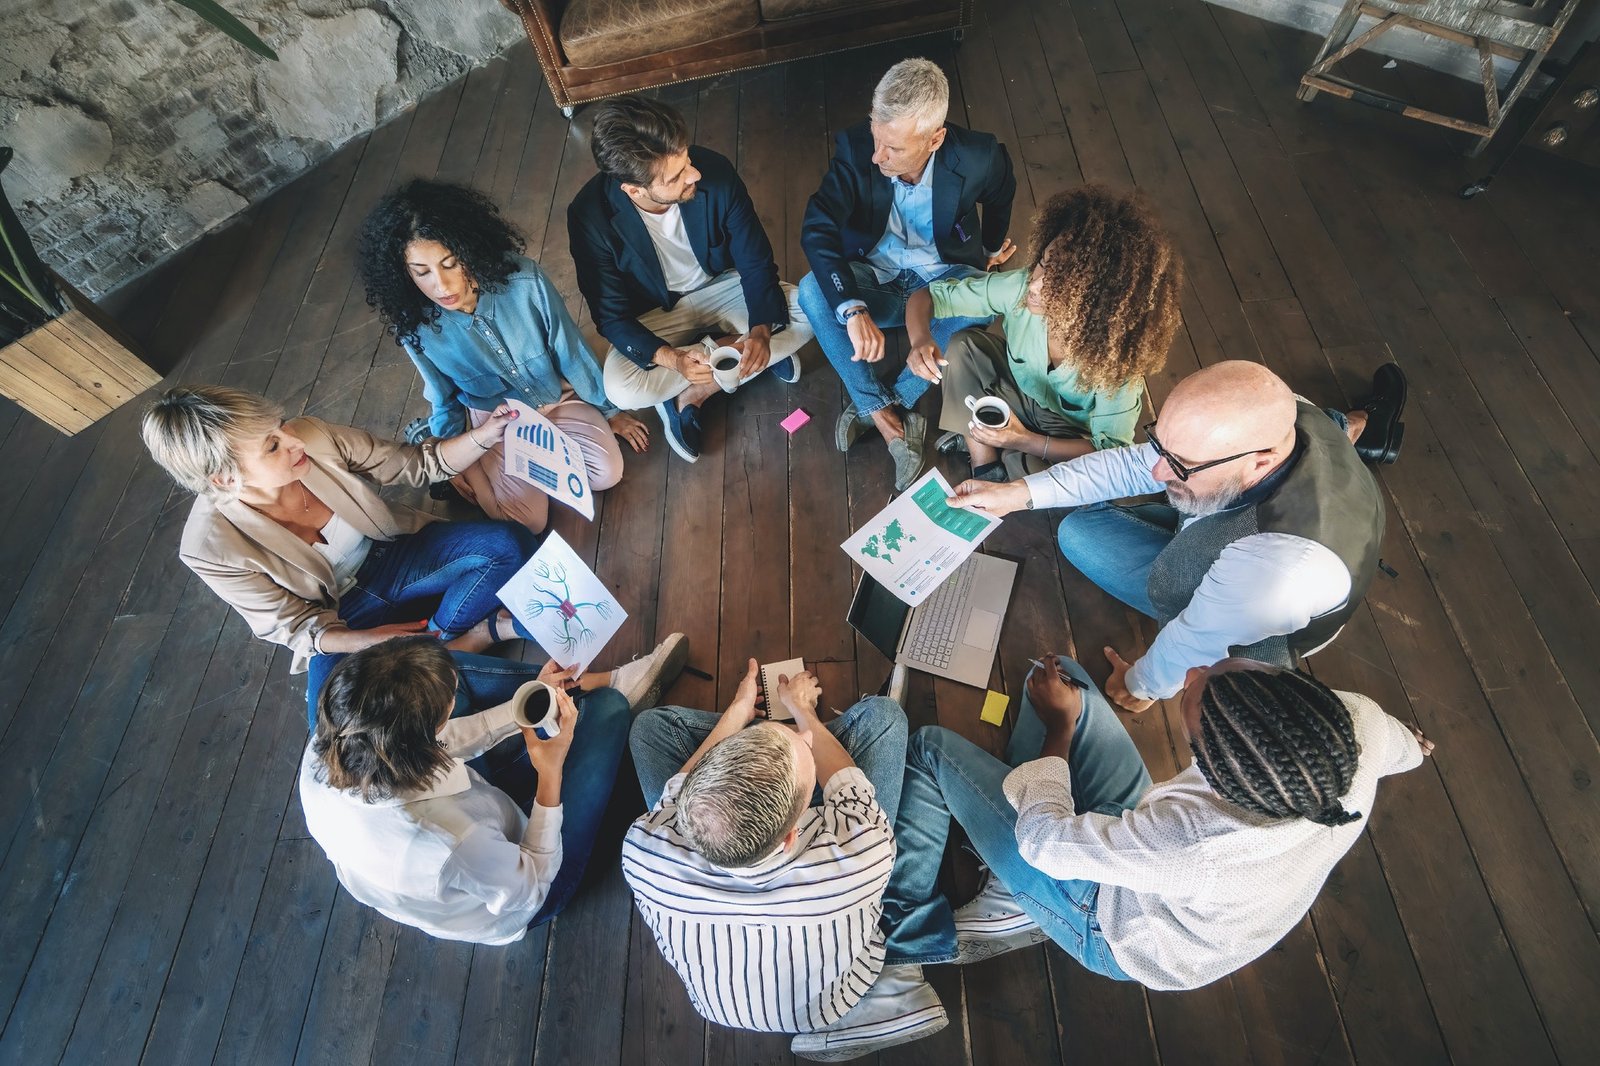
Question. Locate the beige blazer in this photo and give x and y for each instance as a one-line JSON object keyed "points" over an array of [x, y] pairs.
{"points": [[279, 584]]}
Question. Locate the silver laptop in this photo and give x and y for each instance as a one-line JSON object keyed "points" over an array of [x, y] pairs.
{"points": [[953, 633]]}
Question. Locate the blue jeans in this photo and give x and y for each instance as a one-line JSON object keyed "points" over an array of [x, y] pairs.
{"points": [[483, 681], [873, 733], [886, 303], [446, 571], [1114, 546], [948, 776]]}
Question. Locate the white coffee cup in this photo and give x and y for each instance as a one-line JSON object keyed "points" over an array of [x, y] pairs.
{"points": [[725, 362], [989, 411], [534, 707]]}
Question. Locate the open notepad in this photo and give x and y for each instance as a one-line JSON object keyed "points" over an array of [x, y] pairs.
{"points": [[775, 710]]}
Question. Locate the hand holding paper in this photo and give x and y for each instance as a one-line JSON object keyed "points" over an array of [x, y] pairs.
{"points": [[540, 454]]}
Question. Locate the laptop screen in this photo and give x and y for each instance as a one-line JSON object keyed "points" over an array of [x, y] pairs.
{"points": [[877, 614]]}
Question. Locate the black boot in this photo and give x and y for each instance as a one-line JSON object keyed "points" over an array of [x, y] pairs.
{"points": [[1380, 441]]}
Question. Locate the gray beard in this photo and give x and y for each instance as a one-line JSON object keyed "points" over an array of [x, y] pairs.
{"points": [[1201, 507]]}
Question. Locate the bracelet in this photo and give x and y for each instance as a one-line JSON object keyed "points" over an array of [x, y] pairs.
{"points": [[853, 312], [474, 440]]}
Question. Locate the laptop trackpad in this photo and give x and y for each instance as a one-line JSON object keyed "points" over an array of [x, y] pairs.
{"points": [[983, 629]]}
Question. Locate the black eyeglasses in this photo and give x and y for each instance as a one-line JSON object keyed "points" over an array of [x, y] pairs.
{"points": [[1183, 470]]}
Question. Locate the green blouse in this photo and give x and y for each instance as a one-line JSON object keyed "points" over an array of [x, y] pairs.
{"points": [[1108, 419]]}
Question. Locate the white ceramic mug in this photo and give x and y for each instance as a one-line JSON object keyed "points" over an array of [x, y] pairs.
{"points": [[724, 360], [534, 707], [989, 411]]}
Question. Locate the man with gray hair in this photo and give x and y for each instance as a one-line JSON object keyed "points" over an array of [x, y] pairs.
{"points": [[764, 898], [898, 209]]}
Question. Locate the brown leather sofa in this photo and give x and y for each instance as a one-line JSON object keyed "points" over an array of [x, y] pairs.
{"points": [[591, 49]]}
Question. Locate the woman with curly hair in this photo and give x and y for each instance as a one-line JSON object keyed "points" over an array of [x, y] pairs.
{"points": [[1084, 324], [484, 325]]}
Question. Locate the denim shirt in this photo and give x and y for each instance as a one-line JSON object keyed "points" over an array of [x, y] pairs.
{"points": [[519, 343]]}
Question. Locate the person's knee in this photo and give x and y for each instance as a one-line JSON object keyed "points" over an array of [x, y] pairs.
{"points": [[927, 745], [606, 709], [885, 718], [652, 730], [605, 469], [964, 346], [512, 542], [1078, 533]]}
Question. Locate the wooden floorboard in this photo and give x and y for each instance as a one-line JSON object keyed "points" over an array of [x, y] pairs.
{"points": [[165, 904]]}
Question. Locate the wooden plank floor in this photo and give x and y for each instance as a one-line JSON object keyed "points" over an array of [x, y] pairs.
{"points": [[164, 904]]}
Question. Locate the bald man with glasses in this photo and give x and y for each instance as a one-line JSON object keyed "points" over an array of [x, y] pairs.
{"points": [[1269, 535]]}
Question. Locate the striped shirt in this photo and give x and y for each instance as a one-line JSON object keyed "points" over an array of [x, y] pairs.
{"points": [[786, 945]]}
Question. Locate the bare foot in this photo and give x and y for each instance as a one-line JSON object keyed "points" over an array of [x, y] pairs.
{"points": [[479, 638], [888, 423], [1358, 422]]}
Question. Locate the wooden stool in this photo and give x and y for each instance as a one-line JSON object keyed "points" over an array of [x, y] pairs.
{"points": [[1520, 31]]}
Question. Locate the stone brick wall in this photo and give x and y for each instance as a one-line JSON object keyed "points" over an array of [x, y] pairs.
{"points": [[137, 126]]}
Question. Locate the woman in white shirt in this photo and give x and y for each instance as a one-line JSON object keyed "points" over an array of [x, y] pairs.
{"points": [[473, 852], [1174, 885]]}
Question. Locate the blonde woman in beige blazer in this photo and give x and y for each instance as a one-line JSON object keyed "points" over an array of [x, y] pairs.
{"points": [[288, 528]]}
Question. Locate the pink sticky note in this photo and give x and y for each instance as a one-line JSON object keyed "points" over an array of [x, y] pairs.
{"points": [[796, 420]]}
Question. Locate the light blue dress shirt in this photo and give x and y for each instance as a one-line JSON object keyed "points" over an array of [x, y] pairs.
{"points": [[907, 241], [519, 343]]}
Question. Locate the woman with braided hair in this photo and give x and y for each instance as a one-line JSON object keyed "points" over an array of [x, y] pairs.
{"points": [[1173, 885], [1083, 326]]}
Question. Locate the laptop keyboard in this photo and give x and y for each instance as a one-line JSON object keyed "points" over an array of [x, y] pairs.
{"points": [[933, 637]]}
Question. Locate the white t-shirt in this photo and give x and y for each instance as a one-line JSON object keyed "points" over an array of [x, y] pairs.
{"points": [[682, 270], [346, 549]]}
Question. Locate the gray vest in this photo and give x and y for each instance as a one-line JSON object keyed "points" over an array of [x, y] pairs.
{"points": [[1327, 496]]}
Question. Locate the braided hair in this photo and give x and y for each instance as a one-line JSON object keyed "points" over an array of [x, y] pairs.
{"points": [[1278, 744]]}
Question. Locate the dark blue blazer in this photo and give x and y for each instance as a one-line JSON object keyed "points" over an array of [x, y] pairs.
{"points": [[846, 217], [620, 275]]}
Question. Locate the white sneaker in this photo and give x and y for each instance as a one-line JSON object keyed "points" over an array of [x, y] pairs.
{"points": [[993, 924], [643, 680], [901, 1006], [899, 683]]}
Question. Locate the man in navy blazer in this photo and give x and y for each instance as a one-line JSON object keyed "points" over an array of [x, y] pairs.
{"points": [[897, 210], [668, 249]]}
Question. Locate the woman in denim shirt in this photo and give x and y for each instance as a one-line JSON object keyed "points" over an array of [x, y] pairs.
{"points": [[483, 325]]}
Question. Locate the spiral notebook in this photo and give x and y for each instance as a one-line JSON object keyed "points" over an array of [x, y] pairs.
{"points": [[775, 710]]}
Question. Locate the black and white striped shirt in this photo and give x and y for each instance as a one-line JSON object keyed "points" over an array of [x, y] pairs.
{"points": [[787, 945]]}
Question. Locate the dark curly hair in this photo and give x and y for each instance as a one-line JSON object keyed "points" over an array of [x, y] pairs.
{"points": [[1111, 285], [1279, 744], [463, 220]]}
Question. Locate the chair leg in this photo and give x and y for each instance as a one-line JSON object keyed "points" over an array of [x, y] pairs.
{"points": [[1338, 34]]}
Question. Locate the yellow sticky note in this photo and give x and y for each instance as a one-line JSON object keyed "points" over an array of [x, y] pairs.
{"points": [[994, 707]]}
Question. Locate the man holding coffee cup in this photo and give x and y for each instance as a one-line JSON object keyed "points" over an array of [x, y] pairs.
{"points": [[767, 905], [898, 209], [668, 247], [1265, 546]]}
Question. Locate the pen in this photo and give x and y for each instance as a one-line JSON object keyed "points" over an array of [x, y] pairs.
{"points": [[1062, 674]]}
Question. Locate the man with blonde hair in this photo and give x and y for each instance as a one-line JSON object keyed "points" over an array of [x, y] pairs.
{"points": [[764, 899], [898, 209]]}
